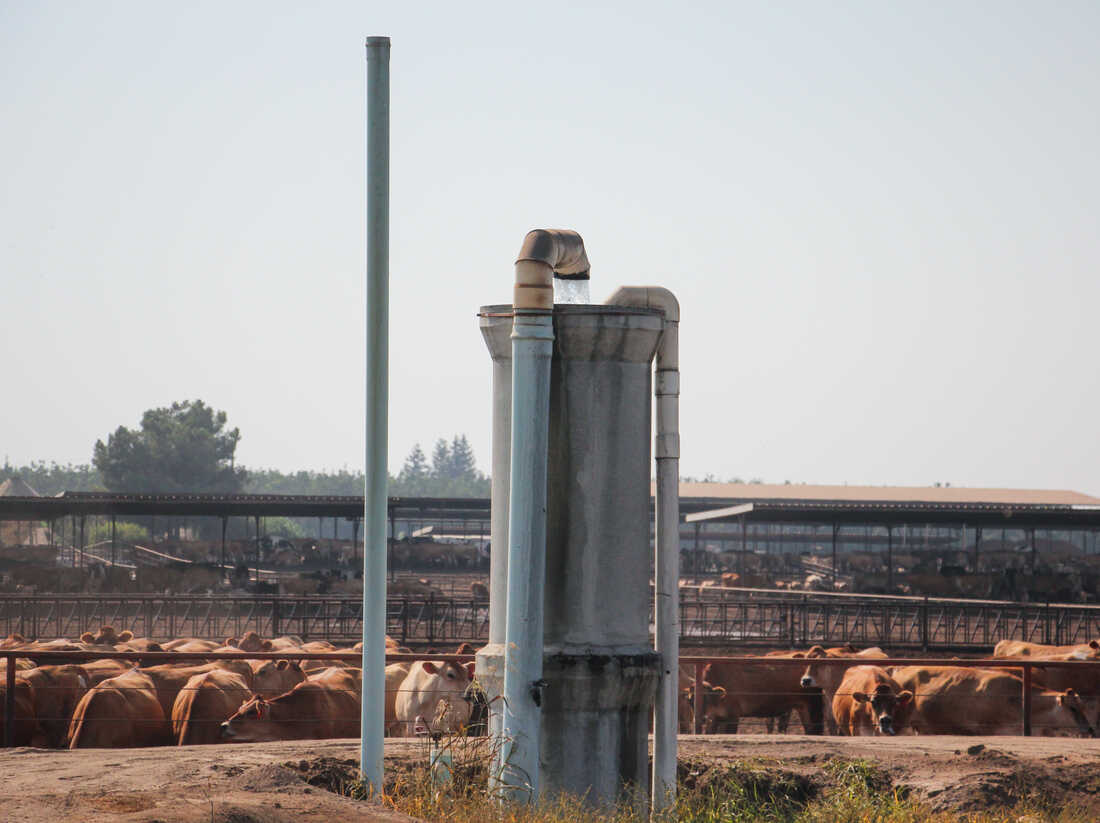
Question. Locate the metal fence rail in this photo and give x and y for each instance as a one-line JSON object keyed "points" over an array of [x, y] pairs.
{"points": [[730, 618]]}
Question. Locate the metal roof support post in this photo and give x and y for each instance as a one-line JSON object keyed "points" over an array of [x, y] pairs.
{"points": [[375, 507], [889, 559]]}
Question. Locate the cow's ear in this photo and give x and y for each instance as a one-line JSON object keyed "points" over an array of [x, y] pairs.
{"points": [[282, 664], [231, 641], [904, 698], [126, 636], [87, 637], [470, 669], [860, 697], [430, 667], [1070, 693], [719, 691]]}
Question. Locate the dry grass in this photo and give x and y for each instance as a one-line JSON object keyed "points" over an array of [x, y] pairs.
{"points": [[850, 791]]}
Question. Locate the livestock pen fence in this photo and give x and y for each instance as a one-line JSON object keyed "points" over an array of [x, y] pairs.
{"points": [[729, 617], [45, 658]]}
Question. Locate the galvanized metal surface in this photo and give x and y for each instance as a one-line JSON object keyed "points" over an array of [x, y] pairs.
{"points": [[377, 402]]}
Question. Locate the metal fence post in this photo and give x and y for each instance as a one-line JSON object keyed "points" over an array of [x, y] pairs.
{"points": [[9, 703], [924, 625], [1027, 699], [697, 709]]}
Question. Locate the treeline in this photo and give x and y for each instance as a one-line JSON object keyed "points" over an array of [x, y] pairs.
{"points": [[49, 479], [452, 472]]}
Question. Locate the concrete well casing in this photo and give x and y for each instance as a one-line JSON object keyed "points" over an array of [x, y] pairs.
{"points": [[599, 668]]}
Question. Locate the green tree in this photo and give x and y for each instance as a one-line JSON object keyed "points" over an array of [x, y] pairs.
{"points": [[463, 464], [441, 461], [415, 473], [182, 448]]}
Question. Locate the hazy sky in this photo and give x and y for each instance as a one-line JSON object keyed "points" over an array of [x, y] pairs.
{"points": [[881, 220]]}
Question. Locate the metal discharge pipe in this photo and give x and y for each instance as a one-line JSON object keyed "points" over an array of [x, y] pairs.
{"points": [[666, 583], [543, 253], [375, 491]]}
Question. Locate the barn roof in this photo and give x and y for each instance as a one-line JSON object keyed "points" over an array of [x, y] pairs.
{"points": [[886, 494]]}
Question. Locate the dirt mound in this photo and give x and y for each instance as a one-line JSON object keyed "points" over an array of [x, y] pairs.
{"points": [[1071, 787], [754, 779], [329, 773], [267, 778]]}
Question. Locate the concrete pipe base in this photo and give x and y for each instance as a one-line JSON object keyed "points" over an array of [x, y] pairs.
{"points": [[595, 719]]}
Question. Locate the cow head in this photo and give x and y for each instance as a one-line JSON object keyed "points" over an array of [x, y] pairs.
{"points": [[276, 677], [247, 723], [888, 710], [716, 708], [445, 690], [809, 680], [1071, 702]]}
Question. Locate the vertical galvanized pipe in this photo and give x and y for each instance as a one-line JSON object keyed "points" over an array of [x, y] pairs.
{"points": [[375, 492], [532, 347], [666, 581]]}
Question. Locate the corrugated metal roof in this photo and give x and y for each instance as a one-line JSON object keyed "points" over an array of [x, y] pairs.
{"points": [[886, 494]]}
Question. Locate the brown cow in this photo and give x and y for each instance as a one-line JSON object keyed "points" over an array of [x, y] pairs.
{"points": [[274, 677], [1084, 680], [736, 690], [123, 711], [395, 676], [829, 678], [869, 701], [1022, 648], [325, 706], [25, 720], [204, 704], [57, 690], [100, 670], [960, 700], [250, 642]]}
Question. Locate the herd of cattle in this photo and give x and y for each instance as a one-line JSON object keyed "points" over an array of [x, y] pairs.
{"points": [[865, 699], [111, 702], [107, 703]]}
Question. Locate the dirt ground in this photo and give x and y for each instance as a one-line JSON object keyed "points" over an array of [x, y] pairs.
{"points": [[290, 780]]}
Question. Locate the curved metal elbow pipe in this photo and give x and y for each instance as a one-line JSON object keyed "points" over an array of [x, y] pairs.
{"points": [[544, 255]]}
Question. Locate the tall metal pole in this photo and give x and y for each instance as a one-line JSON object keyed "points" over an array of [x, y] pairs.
{"points": [[375, 492]]}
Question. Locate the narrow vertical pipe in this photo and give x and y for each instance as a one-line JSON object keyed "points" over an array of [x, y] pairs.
{"points": [[889, 559], [375, 491], [666, 583], [9, 702], [697, 701], [532, 347], [1026, 702]]}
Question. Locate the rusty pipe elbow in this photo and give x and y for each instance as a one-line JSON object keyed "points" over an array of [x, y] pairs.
{"points": [[544, 255]]}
